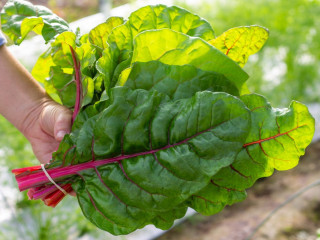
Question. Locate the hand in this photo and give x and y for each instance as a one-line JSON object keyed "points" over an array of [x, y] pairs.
{"points": [[45, 125]]}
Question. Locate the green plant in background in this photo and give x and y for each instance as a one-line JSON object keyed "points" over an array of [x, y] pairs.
{"points": [[288, 67], [157, 100]]}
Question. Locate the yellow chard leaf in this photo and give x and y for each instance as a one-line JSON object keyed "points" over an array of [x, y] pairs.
{"points": [[241, 42], [98, 36]]}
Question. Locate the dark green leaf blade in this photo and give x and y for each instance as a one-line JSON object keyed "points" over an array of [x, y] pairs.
{"points": [[213, 198], [166, 219], [135, 128]]}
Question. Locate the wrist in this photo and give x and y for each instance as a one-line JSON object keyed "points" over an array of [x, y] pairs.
{"points": [[21, 97]]}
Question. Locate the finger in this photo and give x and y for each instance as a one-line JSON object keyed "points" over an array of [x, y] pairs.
{"points": [[56, 120], [62, 124], [44, 152], [44, 158]]}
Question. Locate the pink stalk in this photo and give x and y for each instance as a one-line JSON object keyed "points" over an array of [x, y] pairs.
{"points": [[43, 192], [54, 198], [25, 170], [50, 195], [77, 105], [38, 178]]}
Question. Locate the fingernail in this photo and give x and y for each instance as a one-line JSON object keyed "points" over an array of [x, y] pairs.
{"points": [[61, 134]]}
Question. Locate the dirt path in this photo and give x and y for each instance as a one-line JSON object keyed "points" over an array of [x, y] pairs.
{"points": [[299, 220]]}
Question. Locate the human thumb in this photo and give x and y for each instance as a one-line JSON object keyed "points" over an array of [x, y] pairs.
{"points": [[62, 125], [56, 120]]}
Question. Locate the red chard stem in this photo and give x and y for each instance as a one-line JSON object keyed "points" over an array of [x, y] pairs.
{"points": [[77, 105]]}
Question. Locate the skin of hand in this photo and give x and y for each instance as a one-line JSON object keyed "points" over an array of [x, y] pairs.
{"points": [[26, 105], [45, 127]]}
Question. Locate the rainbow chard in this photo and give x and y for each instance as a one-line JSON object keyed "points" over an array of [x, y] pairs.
{"points": [[163, 119]]}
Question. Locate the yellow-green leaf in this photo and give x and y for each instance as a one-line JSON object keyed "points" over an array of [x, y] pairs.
{"points": [[241, 42], [99, 35], [41, 69]]}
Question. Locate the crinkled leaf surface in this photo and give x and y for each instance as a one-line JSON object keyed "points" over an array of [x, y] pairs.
{"points": [[175, 81], [277, 139], [176, 145], [19, 17], [241, 42]]}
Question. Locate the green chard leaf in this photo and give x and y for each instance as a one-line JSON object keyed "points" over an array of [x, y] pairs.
{"points": [[127, 128], [277, 139], [166, 219], [19, 17], [241, 42]]}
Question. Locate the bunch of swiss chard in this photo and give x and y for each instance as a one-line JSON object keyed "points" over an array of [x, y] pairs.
{"points": [[162, 117]]}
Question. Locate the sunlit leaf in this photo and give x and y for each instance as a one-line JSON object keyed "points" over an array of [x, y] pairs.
{"points": [[98, 36], [174, 48], [241, 42]]}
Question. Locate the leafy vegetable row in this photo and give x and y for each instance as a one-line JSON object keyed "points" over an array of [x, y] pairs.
{"points": [[163, 119]]}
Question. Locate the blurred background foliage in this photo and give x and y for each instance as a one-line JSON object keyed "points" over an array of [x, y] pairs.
{"points": [[286, 68]]}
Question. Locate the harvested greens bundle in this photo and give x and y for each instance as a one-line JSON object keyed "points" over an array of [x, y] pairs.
{"points": [[163, 119]]}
